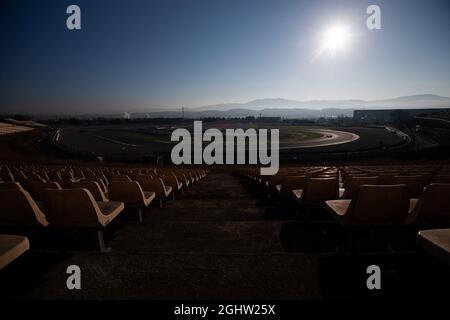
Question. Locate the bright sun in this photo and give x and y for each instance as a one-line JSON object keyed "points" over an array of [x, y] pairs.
{"points": [[335, 39]]}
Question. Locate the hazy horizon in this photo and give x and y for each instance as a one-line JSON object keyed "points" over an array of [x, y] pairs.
{"points": [[161, 55]]}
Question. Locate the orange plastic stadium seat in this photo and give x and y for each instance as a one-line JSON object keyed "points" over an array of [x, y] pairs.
{"points": [[433, 207], [354, 183], [190, 176], [12, 247], [372, 205], [386, 178], [196, 175], [37, 189], [65, 183], [75, 208], [93, 187], [18, 209], [67, 174], [183, 178], [158, 187], [173, 181], [415, 184], [120, 178], [131, 193], [100, 182], [78, 208], [317, 190]]}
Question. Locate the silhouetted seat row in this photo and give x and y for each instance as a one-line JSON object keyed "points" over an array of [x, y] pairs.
{"points": [[391, 205], [84, 200]]}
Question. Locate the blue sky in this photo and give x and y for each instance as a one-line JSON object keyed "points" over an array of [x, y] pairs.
{"points": [[141, 55]]}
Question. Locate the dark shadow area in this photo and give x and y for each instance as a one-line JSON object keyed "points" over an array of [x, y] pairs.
{"points": [[297, 236], [28, 272], [402, 276]]}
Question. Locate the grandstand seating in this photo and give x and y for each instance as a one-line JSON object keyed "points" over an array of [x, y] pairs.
{"points": [[403, 196], [410, 197], [354, 195], [174, 182], [35, 196], [20, 210], [8, 128]]}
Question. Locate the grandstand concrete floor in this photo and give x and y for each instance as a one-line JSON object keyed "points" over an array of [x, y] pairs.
{"points": [[212, 242]]}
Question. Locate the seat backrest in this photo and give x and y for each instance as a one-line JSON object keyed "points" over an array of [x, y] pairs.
{"points": [[120, 178], [7, 176], [100, 183], [19, 209], [319, 190], [385, 204], [70, 207], [174, 182], [38, 189], [434, 204], [64, 183], [55, 175], [67, 174], [182, 177], [189, 175], [156, 185], [78, 173], [293, 182], [129, 192], [415, 184], [386, 178], [354, 183], [93, 187], [276, 179]]}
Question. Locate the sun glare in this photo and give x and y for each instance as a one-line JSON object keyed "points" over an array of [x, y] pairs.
{"points": [[335, 39]]}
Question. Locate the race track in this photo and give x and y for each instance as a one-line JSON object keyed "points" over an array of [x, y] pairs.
{"points": [[328, 137]]}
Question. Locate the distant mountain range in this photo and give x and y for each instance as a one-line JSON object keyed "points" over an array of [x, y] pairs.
{"points": [[415, 101], [303, 109], [283, 108]]}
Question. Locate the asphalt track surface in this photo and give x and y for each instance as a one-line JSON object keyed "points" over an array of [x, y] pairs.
{"points": [[329, 137], [331, 140]]}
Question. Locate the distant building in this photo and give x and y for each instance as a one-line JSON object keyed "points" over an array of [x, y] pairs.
{"points": [[391, 115]]}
